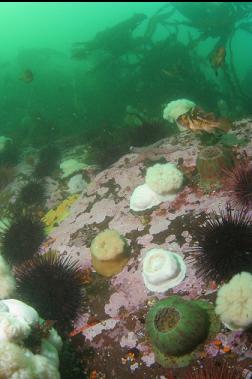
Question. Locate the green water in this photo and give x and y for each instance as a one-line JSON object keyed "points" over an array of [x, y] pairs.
{"points": [[69, 97]]}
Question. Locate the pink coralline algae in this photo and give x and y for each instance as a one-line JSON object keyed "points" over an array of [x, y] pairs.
{"points": [[192, 286], [129, 341], [54, 194], [148, 359], [237, 342], [106, 205], [125, 283], [97, 329], [161, 225], [125, 222]]}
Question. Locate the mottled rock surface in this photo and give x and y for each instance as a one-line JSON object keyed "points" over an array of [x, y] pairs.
{"points": [[119, 305]]}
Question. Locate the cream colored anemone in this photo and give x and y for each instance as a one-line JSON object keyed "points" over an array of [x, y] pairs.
{"points": [[70, 166], [16, 319], [22, 311], [234, 302], [76, 184], [162, 270], [109, 253], [43, 368], [13, 329], [175, 109], [144, 198], [164, 179], [16, 362], [12, 360]]}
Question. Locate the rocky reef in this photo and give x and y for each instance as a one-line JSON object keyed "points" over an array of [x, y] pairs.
{"points": [[114, 325]]}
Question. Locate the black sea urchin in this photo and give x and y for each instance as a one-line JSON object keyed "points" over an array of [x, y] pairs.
{"points": [[212, 369], [224, 244], [54, 285], [32, 194], [240, 184], [22, 238]]}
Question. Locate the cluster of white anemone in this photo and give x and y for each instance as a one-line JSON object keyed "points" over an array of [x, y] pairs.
{"points": [[70, 167], [17, 321], [162, 182]]}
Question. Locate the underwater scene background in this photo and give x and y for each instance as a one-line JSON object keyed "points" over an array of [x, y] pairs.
{"points": [[126, 190]]}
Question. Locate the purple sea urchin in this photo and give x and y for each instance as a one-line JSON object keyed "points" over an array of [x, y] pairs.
{"points": [[224, 244], [22, 238], [240, 184], [54, 285]]}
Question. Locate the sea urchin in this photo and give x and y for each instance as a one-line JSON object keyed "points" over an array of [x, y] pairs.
{"points": [[54, 285], [22, 238], [32, 194], [224, 244], [240, 184]]}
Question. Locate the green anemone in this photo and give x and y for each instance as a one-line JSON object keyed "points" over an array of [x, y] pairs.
{"points": [[178, 327]]}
